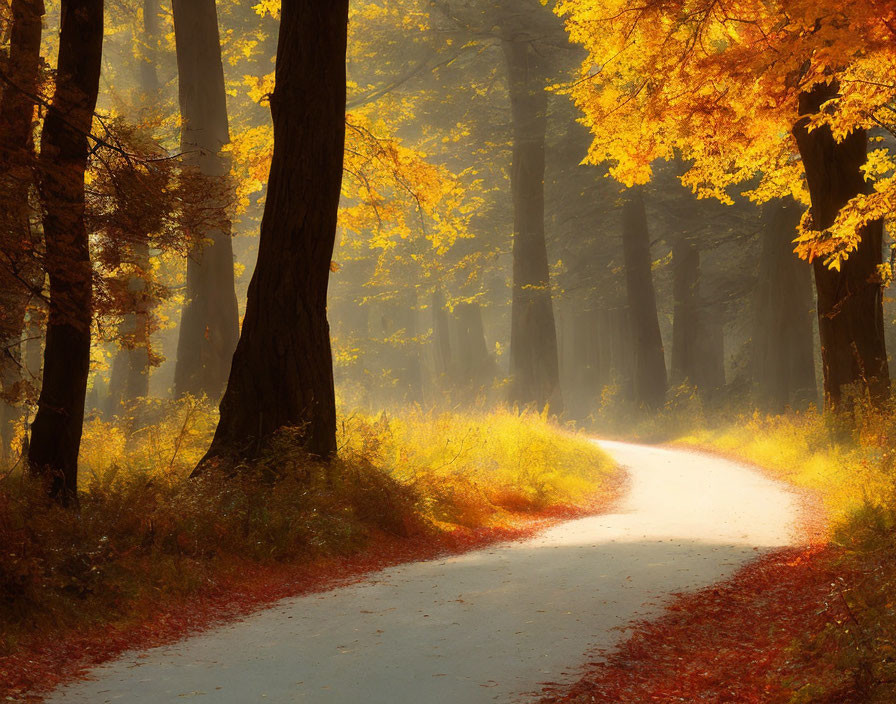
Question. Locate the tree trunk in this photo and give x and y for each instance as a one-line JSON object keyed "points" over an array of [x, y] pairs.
{"points": [[34, 340], [20, 271], [686, 314], [649, 362], [622, 368], [282, 373], [135, 329], [603, 357], [137, 382], [474, 367], [209, 326], [115, 396], [56, 433], [850, 301], [399, 322], [710, 368], [441, 339], [783, 355], [534, 365]]}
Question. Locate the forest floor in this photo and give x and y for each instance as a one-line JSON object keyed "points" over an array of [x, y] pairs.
{"points": [[486, 625], [809, 624], [152, 556]]}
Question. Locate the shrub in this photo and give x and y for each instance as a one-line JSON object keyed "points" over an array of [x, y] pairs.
{"points": [[146, 533]]}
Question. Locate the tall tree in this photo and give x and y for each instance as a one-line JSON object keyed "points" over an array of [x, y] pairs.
{"points": [[850, 296], [782, 355], [650, 363], [131, 367], [56, 432], [820, 71], [534, 364], [282, 372], [686, 317], [209, 326], [19, 271]]}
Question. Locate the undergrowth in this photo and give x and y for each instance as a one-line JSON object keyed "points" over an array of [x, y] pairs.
{"points": [[145, 533]]}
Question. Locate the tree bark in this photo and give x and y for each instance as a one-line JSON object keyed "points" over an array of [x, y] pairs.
{"points": [[282, 373], [534, 365], [649, 363], [135, 329], [20, 271], [209, 326], [686, 314], [850, 301], [56, 432], [783, 355]]}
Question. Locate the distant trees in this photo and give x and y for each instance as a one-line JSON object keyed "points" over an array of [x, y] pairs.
{"points": [[647, 343], [686, 330], [282, 374], [730, 89], [129, 378], [534, 365], [56, 432], [210, 320], [524, 37], [782, 354]]}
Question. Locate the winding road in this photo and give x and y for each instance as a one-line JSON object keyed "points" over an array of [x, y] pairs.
{"points": [[485, 626]]}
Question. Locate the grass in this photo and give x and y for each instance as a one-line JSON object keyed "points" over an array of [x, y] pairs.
{"points": [[146, 535]]}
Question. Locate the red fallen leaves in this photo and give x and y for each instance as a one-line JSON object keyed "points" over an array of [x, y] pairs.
{"points": [[47, 661], [729, 643]]}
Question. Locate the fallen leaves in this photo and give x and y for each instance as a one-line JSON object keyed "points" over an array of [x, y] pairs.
{"points": [[731, 642]]}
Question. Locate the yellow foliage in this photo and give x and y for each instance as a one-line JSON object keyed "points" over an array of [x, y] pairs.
{"points": [[497, 455], [718, 84], [145, 532], [851, 470]]}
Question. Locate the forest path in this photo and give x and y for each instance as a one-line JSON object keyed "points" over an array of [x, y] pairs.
{"points": [[485, 626]]}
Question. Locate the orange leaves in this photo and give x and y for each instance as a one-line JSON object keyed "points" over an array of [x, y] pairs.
{"points": [[718, 85], [727, 643]]}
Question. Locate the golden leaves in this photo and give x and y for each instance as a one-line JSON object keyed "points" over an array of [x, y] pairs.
{"points": [[719, 87]]}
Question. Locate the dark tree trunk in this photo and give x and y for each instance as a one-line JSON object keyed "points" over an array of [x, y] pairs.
{"points": [[850, 301], [686, 314], [19, 272], [783, 355], [534, 365], [56, 433], [649, 362], [209, 326], [282, 374]]}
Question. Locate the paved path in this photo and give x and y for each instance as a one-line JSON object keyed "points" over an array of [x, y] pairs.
{"points": [[485, 626]]}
